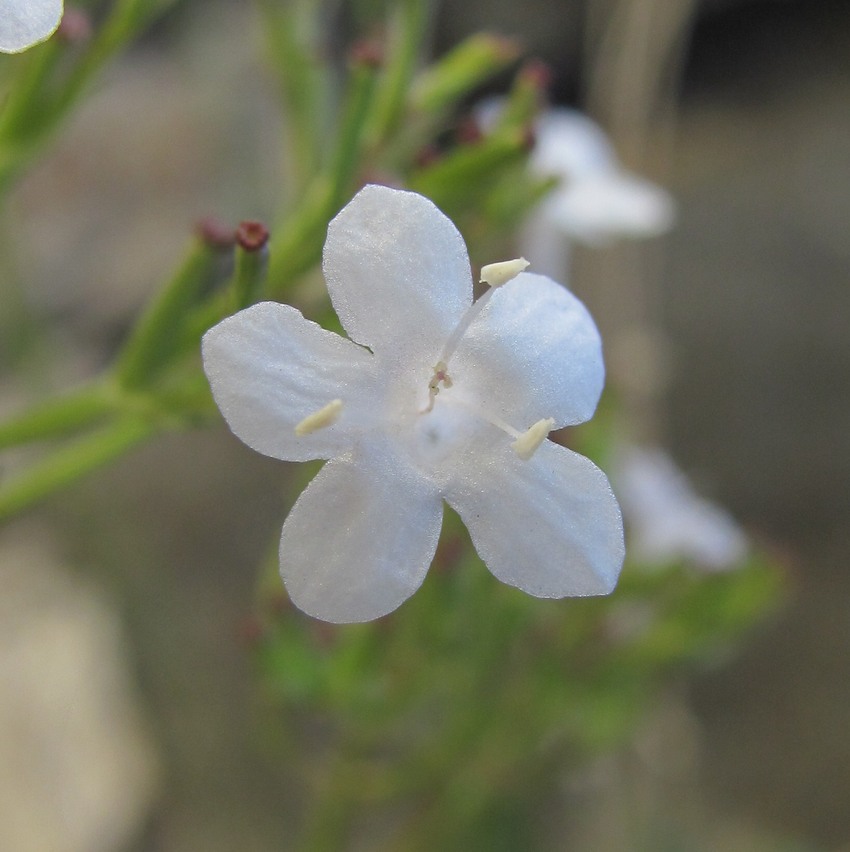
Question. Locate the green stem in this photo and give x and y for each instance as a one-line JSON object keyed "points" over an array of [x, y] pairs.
{"points": [[468, 169], [444, 83], [39, 103], [249, 276], [57, 418], [157, 336], [73, 461], [297, 244], [406, 33], [22, 106], [291, 33]]}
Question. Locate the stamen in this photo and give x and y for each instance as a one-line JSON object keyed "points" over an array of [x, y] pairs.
{"points": [[326, 416], [486, 416], [497, 274], [440, 377], [526, 444]]}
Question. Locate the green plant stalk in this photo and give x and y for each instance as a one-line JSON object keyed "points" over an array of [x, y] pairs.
{"points": [[24, 104], [296, 245], [304, 90], [466, 170], [157, 336], [522, 104], [444, 83], [249, 276], [71, 462], [406, 34], [43, 103], [59, 417], [127, 20]]}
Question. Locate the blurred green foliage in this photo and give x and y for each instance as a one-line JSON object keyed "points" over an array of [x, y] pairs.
{"points": [[472, 698]]}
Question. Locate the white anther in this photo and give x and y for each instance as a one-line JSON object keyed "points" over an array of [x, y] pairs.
{"points": [[326, 416], [527, 443], [496, 274]]}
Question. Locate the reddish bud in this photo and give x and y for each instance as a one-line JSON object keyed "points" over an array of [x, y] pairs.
{"points": [[75, 26], [324, 635], [249, 631], [529, 139], [537, 73], [469, 132], [427, 156], [368, 52], [252, 235], [215, 233]]}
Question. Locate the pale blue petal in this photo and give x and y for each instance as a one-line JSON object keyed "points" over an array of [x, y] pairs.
{"points": [[24, 23], [360, 539], [398, 273], [549, 526], [269, 368], [534, 352]]}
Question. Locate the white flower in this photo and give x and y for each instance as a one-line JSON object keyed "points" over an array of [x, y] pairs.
{"points": [[24, 23], [452, 400], [667, 521], [597, 201]]}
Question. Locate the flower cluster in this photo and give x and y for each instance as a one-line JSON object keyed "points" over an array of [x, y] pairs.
{"points": [[433, 397], [24, 23]]}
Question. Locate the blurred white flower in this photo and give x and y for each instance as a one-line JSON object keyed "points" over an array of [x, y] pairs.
{"points": [[24, 23], [596, 201], [452, 400], [667, 521]]}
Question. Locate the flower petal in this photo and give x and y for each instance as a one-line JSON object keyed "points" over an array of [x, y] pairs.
{"points": [[398, 272], [549, 526], [668, 520], [533, 352], [570, 145], [23, 24], [270, 368], [601, 207], [360, 539]]}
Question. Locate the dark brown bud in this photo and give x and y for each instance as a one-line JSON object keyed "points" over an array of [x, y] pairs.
{"points": [[252, 235]]}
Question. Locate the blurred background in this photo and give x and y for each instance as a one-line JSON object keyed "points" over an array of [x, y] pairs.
{"points": [[140, 580]]}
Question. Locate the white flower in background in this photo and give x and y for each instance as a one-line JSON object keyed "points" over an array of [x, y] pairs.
{"points": [[596, 201], [452, 400], [667, 521], [24, 23]]}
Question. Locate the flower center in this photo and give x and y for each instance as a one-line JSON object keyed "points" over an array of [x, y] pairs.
{"points": [[437, 434], [525, 443]]}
